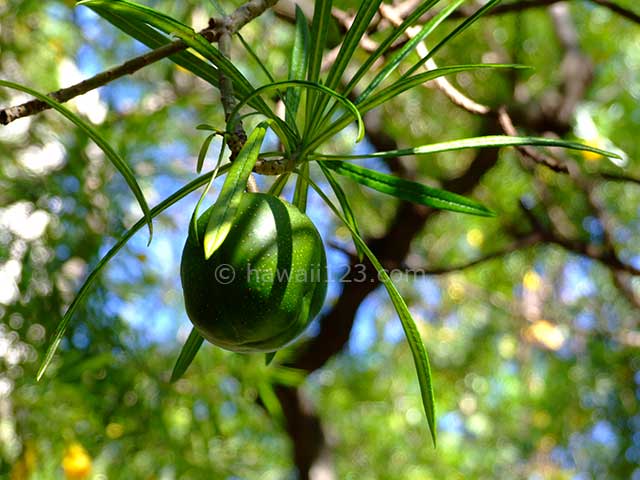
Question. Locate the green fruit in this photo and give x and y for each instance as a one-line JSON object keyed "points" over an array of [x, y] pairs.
{"points": [[264, 284]]}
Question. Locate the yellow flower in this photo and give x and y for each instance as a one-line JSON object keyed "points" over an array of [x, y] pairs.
{"points": [[592, 156], [76, 462], [25, 465]]}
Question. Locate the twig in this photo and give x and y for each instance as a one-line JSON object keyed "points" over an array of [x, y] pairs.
{"points": [[507, 126], [522, 5], [623, 12], [238, 137], [607, 256], [520, 243], [554, 163]]}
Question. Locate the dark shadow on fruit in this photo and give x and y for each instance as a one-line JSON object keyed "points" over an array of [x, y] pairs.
{"points": [[284, 247]]}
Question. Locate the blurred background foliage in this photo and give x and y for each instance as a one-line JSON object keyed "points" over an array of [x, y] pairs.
{"points": [[535, 352]]}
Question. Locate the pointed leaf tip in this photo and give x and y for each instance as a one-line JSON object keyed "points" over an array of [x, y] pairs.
{"points": [[268, 357], [187, 354]]}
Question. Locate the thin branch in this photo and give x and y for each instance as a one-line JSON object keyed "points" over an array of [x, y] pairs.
{"points": [[523, 5], [238, 137], [615, 8], [521, 243], [129, 67], [607, 255], [240, 17], [247, 12], [553, 163], [537, 156]]}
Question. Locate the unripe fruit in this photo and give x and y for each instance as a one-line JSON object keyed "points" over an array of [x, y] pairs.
{"points": [[265, 283]]}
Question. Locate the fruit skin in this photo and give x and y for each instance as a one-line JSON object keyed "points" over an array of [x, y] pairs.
{"points": [[280, 277]]}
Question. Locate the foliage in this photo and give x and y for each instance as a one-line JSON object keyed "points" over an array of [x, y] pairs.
{"points": [[507, 338]]}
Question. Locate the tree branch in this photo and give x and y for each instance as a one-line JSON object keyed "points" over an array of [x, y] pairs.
{"points": [[129, 67], [240, 17], [523, 5]]}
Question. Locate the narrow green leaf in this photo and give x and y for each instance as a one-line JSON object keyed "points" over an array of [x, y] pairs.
{"points": [[133, 11], [297, 65], [418, 351], [395, 59], [409, 191], [457, 31], [210, 128], [279, 184], [118, 162], [203, 152], [224, 210], [349, 45], [255, 57], [302, 188], [407, 83], [408, 48], [91, 278], [490, 141], [187, 354], [351, 108], [319, 29], [389, 93], [268, 357], [154, 39], [415, 15], [270, 400], [351, 41], [344, 204]]}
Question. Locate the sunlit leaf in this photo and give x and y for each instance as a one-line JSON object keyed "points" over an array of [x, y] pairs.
{"points": [[297, 64], [490, 141], [382, 48], [224, 210]]}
